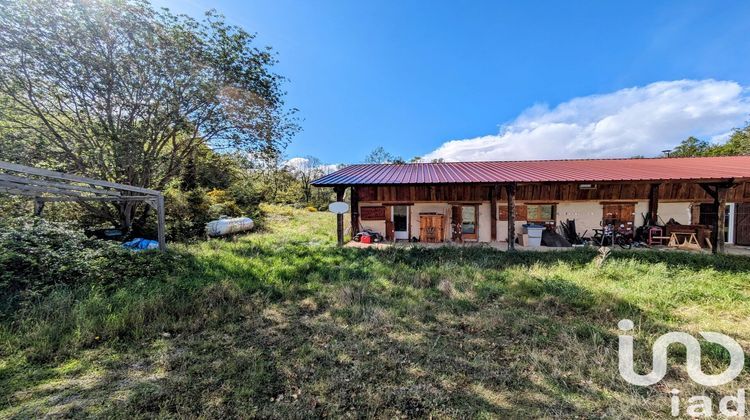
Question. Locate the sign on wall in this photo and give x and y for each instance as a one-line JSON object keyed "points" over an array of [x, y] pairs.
{"points": [[372, 213], [502, 213]]}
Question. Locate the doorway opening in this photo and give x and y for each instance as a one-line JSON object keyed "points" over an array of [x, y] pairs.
{"points": [[401, 222]]}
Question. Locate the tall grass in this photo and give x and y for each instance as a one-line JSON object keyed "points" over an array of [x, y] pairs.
{"points": [[284, 323]]}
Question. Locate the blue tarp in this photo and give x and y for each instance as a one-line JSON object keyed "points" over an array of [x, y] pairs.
{"points": [[139, 244]]}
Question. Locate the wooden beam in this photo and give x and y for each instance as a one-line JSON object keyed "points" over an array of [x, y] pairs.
{"points": [[74, 178], [653, 204], [493, 212], [511, 192], [710, 189], [13, 191], [339, 217], [56, 184], [40, 189], [76, 199], [354, 210]]}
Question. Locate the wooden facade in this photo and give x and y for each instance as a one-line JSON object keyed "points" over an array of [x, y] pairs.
{"points": [[548, 192], [503, 198]]}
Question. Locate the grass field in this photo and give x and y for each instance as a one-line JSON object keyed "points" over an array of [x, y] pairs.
{"points": [[281, 323]]}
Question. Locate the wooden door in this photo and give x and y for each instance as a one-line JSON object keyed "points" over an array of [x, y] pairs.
{"points": [[742, 224], [389, 229], [431, 228], [456, 223], [618, 214]]}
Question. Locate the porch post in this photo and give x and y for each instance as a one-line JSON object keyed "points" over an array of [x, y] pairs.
{"points": [[719, 193], [493, 213], [354, 210], [339, 217], [720, 204], [511, 190], [653, 205]]}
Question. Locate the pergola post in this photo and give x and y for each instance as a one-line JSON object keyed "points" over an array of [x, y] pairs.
{"points": [[339, 217], [653, 205], [511, 190], [354, 210], [493, 212], [38, 207], [161, 221]]}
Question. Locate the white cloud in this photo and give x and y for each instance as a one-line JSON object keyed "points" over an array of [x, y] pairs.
{"points": [[636, 121]]}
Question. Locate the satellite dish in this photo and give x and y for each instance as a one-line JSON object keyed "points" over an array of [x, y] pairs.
{"points": [[338, 207]]}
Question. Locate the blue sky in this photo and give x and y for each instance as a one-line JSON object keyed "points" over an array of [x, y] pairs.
{"points": [[502, 80]]}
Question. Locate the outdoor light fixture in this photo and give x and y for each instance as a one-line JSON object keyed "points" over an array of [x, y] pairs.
{"points": [[587, 186]]}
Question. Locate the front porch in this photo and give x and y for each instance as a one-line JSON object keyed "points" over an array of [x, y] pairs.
{"points": [[503, 246]]}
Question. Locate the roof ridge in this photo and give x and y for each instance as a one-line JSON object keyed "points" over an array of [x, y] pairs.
{"points": [[551, 170], [547, 160]]}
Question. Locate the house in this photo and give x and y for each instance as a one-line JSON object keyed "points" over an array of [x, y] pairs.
{"points": [[489, 201]]}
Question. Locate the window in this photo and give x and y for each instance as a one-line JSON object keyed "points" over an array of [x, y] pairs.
{"points": [[468, 220], [541, 213]]}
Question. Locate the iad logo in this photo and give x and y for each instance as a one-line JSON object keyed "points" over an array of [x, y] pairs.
{"points": [[737, 357]]}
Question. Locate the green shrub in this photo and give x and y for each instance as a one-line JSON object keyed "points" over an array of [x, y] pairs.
{"points": [[189, 211], [36, 256]]}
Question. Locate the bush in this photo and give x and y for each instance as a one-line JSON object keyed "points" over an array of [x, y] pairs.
{"points": [[37, 256], [189, 211]]}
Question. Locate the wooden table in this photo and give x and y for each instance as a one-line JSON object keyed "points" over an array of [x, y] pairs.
{"points": [[689, 241]]}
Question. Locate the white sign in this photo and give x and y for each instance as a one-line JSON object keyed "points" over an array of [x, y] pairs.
{"points": [[339, 207]]}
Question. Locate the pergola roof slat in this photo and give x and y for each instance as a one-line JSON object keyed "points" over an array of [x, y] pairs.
{"points": [[56, 184], [146, 198], [14, 167], [41, 190]]}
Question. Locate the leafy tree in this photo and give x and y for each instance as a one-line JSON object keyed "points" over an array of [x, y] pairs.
{"points": [[738, 144], [307, 169], [380, 155], [120, 91], [691, 147]]}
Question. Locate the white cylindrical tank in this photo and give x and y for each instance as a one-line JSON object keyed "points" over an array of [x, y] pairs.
{"points": [[228, 226]]}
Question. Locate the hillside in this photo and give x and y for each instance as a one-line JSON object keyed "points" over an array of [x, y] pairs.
{"points": [[281, 323]]}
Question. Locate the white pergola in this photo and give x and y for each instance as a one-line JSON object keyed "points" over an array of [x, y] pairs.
{"points": [[44, 186]]}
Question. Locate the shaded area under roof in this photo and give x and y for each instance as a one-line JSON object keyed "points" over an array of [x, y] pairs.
{"points": [[580, 170]]}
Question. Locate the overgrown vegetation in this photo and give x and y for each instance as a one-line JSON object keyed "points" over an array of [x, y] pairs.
{"points": [[284, 324], [737, 144], [126, 92]]}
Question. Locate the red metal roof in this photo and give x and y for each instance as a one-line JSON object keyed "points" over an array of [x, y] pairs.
{"points": [[581, 170]]}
